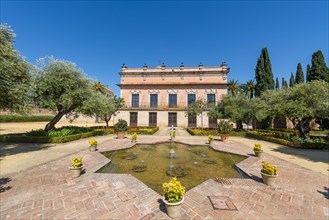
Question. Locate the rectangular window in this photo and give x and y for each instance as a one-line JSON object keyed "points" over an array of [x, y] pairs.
{"points": [[190, 98], [135, 100], [211, 98], [172, 100], [154, 100]]}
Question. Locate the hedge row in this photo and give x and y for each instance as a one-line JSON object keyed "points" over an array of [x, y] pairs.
{"points": [[21, 138], [322, 146], [142, 130], [206, 132], [22, 118]]}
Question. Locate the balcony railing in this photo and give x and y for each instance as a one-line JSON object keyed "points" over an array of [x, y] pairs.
{"points": [[160, 106]]}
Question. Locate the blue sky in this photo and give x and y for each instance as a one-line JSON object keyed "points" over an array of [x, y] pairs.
{"points": [[99, 36]]}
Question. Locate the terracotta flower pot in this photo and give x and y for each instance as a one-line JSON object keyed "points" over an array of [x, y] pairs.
{"points": [[224, 137], [121, 135], [173, 209], [258, 153], [75, 172], [268, 179]]}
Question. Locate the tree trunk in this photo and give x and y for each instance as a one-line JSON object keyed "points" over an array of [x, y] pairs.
{"points": [[107, 118], [239, 126], [201, 121], [303, 127], [51, 124]]}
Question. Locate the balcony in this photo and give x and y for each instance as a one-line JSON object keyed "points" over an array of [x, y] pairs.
{"points": [[160, 106]]}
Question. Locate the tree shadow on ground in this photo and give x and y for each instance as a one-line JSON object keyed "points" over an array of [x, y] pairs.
{"points": [[309, 154], [3, 182], [325, 193], [7, 149]]}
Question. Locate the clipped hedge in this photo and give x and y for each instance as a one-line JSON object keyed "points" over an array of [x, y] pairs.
{"points": [[321, 146], [207, 132], [142, 130], [22, 138], [25, 118]]}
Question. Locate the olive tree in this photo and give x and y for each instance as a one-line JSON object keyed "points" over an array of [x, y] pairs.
{"points": [[197, 108], [236, 108], [300, 104], [103, 106], [60, 86], [14, 73]]}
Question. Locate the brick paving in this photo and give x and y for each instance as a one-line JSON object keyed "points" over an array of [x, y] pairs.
{"points": [[47, 191]]}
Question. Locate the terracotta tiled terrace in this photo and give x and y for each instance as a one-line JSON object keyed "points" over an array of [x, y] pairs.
{"points": [[48, 192]]}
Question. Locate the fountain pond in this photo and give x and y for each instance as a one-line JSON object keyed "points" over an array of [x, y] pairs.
{"points": [[154, 164]]}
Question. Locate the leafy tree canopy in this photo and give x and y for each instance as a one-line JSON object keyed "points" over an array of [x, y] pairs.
{"points": [[60, 86], [300, 104], [14, 74]]}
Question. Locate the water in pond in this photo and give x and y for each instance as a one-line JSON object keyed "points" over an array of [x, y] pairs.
{"points": [[154, 164]]}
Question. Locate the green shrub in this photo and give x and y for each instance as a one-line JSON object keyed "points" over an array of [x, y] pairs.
{"points": [[121, 126], [296, 144], [60, 132], [25, 118], [224, 127], [269, 169]]}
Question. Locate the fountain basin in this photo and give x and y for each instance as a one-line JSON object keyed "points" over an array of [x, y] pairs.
{"points": [[195, 164]]}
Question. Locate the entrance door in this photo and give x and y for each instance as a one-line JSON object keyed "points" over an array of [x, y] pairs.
{"points": [[172, 119], [152, 119], [212, 123], [133, 119], [191, 121]]}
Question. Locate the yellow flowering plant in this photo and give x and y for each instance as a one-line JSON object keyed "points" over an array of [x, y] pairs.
{"points": [[269, 169], [210, 137], [93, 142], [257, 147], [174, 191], [76, 162], [134, 137]]}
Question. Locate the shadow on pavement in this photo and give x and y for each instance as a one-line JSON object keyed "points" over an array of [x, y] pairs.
{"points": [[7, 149], [325, 193], [3, 182], [313, 155]]}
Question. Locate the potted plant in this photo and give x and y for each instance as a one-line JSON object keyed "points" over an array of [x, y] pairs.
{"points": [[93, 145], [269, 173], [258, 150], [224, 129], [173, 197], [210, 139], [120, 127], [76, 166], [172, 135], [134, 137]]}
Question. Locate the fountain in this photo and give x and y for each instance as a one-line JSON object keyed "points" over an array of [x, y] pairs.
{"points": [[191, 164]]}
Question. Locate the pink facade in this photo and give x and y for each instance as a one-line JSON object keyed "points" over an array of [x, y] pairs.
{"points": [[168, 90]]}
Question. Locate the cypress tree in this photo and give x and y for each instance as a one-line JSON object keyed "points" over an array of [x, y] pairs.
{"points": [[284, 83], [319, 69], [299, 74], [263, 72], [308, 73], [277, 86], [292, 80]]}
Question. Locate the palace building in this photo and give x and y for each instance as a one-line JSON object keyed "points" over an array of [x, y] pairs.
{"points": [[159, 96]]}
